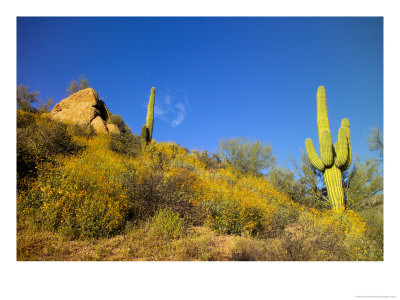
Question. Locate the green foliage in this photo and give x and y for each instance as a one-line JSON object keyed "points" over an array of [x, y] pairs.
{"points": [[125, 143], [305, 188], [40, 139], [77, 85], [80, 196], [167, 224], [375, 142], [118, 121], [152, 190], [373, 216], [364, 181], [246, 156], [81, 131], [211, 162], [25, 99], [226, 216], [334, 160]]}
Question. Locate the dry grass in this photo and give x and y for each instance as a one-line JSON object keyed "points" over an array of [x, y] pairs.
{"points": [[138, 244]]}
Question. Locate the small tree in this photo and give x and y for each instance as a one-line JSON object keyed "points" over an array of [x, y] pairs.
{"points": [[77, 85], [375, 142], [25, 99], [364, 181], [246, 156], [302, 183]]}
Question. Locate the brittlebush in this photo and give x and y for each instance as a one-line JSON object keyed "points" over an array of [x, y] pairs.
{"points": [[95, 193]]}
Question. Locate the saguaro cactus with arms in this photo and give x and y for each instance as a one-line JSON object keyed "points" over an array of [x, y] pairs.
{"points": [[334, 159]]}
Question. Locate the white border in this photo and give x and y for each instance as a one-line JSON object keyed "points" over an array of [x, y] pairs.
{"points": [[164, 280]]}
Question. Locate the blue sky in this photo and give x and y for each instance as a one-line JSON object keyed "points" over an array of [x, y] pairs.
{"points": [[216, 77]]}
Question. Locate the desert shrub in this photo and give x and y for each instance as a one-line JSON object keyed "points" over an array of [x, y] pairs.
{"points": [[119, 122], [81, 198], [375, 142], [301, 183], [181, 163], [81, 131], [151, 189], [77, 85], [235, 204], [40, 139], [342, 235], [364, 181], [224, 216], [210, 162], [26, 99], [246, 156], [249, 249], [127, 143], [373, 245], [167, 224]]}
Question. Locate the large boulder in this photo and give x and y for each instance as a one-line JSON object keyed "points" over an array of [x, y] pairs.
{"points": [[99, 125], [83, 108]]}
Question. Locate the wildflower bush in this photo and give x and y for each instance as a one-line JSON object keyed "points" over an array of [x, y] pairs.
{"points": [[167, 224], [98, 191], [82, 196], [126, 143], [40, 139]]}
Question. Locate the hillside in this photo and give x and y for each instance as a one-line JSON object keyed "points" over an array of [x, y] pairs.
{"points": [[86, 196]]}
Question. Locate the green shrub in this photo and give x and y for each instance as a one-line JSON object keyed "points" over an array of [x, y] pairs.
{"points": [[167, 224], [303, 190], [82, 197], [211, 162], [118, 121], [127, 143], [40, 139], [228, 217], [364, 181], [150, 190], [246, 156], [82, 131]]}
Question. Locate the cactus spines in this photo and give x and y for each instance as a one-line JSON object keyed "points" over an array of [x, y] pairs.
{"points": [[334, 159], [147, 129]]}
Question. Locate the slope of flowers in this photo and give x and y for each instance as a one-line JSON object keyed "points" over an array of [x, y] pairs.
{"points": [[95, 194], [81, 196]]}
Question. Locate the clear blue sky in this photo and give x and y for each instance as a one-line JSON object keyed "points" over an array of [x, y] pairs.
{"points": [[216, 77]]}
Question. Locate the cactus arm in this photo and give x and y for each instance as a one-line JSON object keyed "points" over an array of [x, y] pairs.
{"points": [[144, 136], [313, 156], [342, 149], [150, 113], [348, 162], [346, 128]]}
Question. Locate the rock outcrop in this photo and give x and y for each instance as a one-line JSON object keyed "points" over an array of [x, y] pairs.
{"points": [[84, 108], [112, 128]]}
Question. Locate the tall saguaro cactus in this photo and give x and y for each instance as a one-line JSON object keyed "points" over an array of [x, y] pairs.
{"points": [[334, 159], [147, 129]]}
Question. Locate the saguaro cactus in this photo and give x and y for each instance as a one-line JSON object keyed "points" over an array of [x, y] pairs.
{"points": [[147, 129], [334, 159]]}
